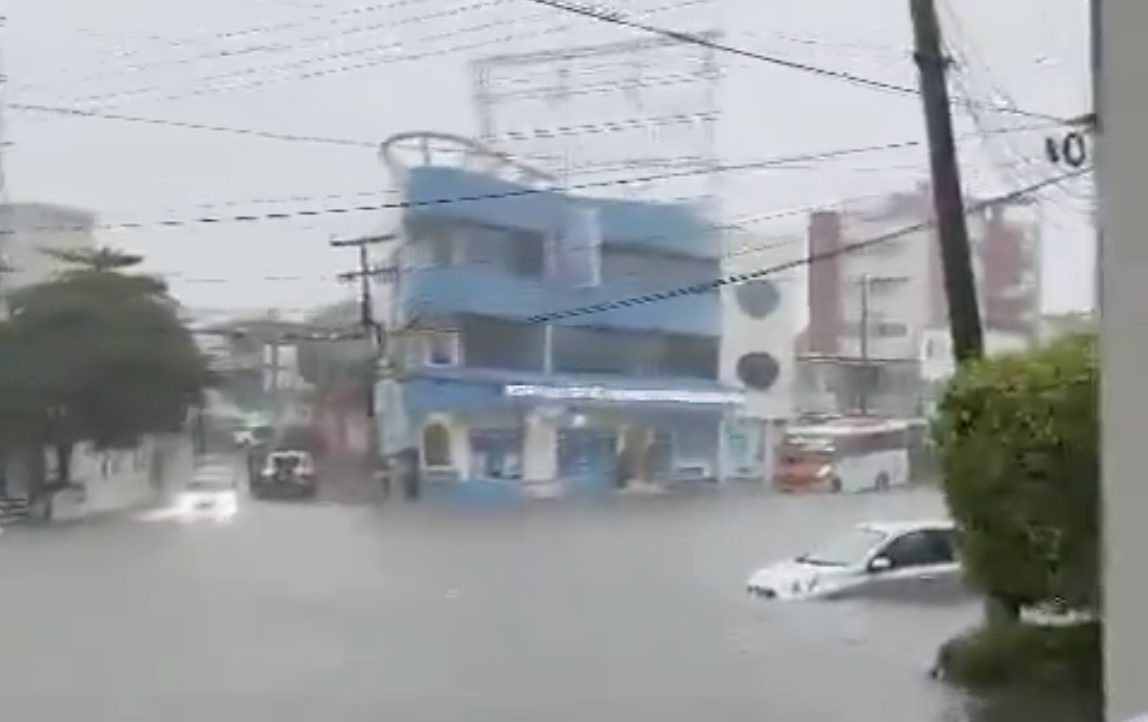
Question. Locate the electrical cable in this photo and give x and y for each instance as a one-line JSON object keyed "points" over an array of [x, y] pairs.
{"points": [[367, 64], [738, 278], [228, 36], [622, 20], [763, 164]]}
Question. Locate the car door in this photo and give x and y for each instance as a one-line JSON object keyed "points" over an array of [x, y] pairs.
{"points": [[913, 557]]}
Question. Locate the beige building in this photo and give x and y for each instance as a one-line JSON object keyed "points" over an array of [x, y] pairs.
{"points": [[29, 229]]}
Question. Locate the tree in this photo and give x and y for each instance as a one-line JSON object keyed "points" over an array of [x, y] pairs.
{"points": [[1018, 440], [97, 355]]}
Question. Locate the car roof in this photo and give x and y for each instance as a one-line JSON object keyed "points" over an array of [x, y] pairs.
{"points": [[907, 525]]}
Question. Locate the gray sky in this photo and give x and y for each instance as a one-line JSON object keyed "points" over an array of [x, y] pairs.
{"points": [[363, 69]]}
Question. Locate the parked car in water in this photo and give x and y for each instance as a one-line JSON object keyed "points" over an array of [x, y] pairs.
{"points": [[883, 558], [286, 473]]}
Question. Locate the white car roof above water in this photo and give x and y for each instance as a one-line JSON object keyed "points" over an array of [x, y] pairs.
{"points": [[892, 527]]}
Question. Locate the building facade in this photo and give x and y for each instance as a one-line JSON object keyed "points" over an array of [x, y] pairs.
{"points": [[871, 309], [878, 300], [522, 361], [30, 231]]}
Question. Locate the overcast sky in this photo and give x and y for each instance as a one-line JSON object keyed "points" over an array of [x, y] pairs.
{"points": [[364, 69]]}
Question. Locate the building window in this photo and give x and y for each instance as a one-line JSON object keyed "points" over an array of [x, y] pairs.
{"points": [[441, 349], [526, 254], [875, 328], [883, 285], [436, 446], [440, 247]]}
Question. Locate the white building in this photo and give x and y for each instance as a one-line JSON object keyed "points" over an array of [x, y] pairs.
{"points": [[27, 230], [759, 325], [125, 479], [876, 281]]}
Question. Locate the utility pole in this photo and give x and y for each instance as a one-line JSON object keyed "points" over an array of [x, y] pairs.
{"points": [[866, 374], [948, 201], [373, 332]]}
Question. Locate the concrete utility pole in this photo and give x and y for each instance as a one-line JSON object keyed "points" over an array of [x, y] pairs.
{"points": [[373, 331], [948, 200], [867, 375]]}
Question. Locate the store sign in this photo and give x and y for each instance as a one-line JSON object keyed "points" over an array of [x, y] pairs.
{"points": [[599, 393]]}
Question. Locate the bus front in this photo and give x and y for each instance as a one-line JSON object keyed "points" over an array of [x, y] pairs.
{"points": [[805, 462]]}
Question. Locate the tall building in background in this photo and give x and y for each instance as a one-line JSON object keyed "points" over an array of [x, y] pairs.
{"points": [[501, 403], [30, 231], [877, 307], [640, 108], [900, 284]]}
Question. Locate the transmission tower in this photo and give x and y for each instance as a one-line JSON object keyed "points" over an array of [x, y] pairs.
{"points": [[636, 108]]}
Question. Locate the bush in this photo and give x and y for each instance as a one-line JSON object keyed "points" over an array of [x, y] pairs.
{"points": [[1018, 655], [1018, 442]]}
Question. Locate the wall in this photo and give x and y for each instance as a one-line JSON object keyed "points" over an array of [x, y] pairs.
{"points": [[28, 228], [122, 480], [759, 322], [1122, 164]]}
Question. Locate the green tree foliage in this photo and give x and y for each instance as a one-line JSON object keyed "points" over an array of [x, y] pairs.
{"points": [[1018, 438], [96, 355]]}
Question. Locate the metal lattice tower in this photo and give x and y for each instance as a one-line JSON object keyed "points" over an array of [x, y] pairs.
{"points": [[632, 109]]}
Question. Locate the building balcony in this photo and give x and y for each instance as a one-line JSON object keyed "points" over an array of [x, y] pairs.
{"points": [[447, 291], [474, 198]]}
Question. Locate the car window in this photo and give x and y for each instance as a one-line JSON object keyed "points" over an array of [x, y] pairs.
{"points": [[917, 548], [944, 544], [853, 547]]}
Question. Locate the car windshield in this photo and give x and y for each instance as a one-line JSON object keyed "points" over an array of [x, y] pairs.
{"points": [[847, 549], [213, 481], [286, 462]]}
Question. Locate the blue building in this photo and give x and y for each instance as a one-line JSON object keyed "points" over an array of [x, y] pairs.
{"points": [[500, 405]]}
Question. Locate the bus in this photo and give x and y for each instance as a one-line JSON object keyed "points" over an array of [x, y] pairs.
{"points": [[846, 455]]}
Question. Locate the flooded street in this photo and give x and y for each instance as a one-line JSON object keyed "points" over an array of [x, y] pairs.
{"points": [[631, 609]]}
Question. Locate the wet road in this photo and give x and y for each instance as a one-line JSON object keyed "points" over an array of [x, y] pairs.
{"points": [[631, 610]]}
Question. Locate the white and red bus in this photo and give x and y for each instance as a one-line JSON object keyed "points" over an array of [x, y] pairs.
{"points": [[846, 455]]}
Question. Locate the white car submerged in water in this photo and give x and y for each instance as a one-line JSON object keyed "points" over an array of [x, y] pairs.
{"points": [[871, 558], [212, 493]]}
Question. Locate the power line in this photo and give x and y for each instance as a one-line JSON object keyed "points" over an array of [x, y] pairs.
{"points": [[270, 78], [622, 20], [735, 279], [188, 125], [228, 36], [775, 162]]}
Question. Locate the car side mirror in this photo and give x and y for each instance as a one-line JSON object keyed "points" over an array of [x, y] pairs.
{"points": [[880, 564]]}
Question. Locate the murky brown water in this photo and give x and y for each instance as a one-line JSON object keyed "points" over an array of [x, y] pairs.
{"points": [[630, 611]]}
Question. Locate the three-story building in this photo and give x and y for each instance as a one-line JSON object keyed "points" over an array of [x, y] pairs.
{"points": [[550, 341]]}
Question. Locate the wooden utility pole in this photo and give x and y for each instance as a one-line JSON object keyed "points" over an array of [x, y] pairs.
{"points": [[948, 200], [373, 332]]}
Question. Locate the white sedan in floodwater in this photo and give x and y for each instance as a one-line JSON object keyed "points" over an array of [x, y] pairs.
{"points": [[212, 494], [873, 557]]}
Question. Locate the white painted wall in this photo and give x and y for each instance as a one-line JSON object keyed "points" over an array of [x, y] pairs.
{"points": [[899, 291], [122, 480], [747, 253], [30, 228]]}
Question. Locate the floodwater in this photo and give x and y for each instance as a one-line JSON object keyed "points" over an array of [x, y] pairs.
{"points": [[623, 610]]}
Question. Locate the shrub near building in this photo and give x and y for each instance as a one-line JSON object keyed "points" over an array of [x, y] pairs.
{"points": [[1018, 439]]}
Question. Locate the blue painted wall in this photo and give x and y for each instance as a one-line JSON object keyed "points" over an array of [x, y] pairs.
{"points": [[480, 290], [442, 192], [529, 253]]}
